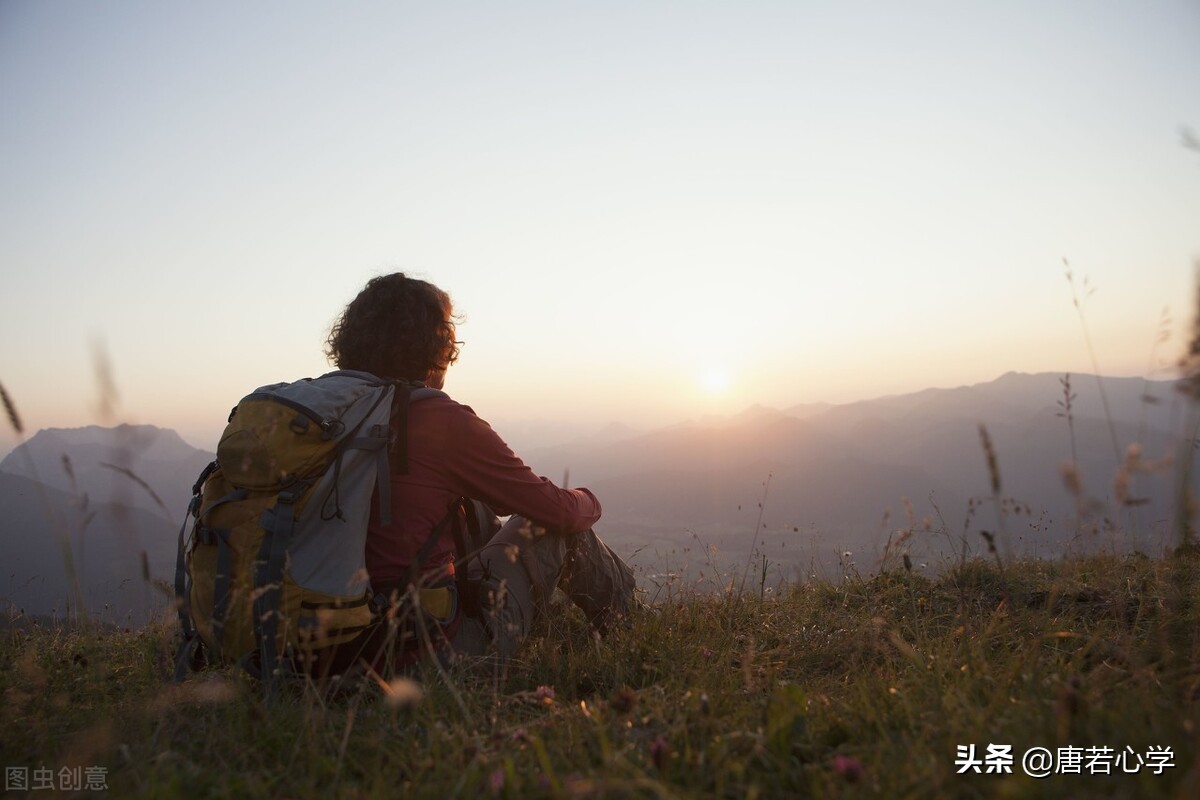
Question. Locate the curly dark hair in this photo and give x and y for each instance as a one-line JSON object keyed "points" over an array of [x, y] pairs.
{"points": [[397, 327]]}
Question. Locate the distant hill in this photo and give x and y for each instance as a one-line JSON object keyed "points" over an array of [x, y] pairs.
{"points": [[836, 470], [78, 480], [97, 456]]}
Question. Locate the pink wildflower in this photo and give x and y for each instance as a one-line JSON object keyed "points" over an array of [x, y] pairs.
{"points": [[496, 781], [848, 767], [660, 751]]}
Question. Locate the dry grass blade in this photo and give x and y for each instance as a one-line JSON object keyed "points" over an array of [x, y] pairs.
{"points": [[109, 398], [133, 476], [992, 465], [11, 410], [1079, 302], [1189, 385], [1189, 364], [1189, 139]]}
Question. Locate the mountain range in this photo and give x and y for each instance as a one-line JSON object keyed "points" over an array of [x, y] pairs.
{"points": [[843, 477], [114, 494], [793, 490]]}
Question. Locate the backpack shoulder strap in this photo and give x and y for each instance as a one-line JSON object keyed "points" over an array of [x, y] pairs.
{"points": [[450, 520], [476, 513], [405, 395]]}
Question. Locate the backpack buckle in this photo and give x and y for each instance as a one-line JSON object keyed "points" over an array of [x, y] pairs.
{"points": [[380, 604], [290, 495]]}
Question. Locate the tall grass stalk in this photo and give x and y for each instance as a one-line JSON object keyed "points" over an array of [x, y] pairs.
{"points": [[740, 588], [1079, 302], [1072, 478], [993, 466], [1189, 369]]}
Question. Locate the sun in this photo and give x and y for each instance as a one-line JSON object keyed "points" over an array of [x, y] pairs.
{"points": [[715, 380]]}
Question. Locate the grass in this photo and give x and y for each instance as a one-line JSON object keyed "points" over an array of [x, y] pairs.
{"points": [[863, 688]]}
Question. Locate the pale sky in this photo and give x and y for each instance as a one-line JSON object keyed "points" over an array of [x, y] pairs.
{"points": [[646, 211]]}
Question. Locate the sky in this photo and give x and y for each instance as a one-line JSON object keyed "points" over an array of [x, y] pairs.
{"points": [[645, 212]]}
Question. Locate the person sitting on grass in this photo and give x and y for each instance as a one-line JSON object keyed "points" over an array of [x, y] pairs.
{"points": [[403, 329]]}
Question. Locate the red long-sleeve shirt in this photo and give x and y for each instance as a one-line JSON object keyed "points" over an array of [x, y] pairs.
{"points": [[453, 453]]}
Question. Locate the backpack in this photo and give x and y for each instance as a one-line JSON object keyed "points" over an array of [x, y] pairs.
{"points": [[273, 575]]}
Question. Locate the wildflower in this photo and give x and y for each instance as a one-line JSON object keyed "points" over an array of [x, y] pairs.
{"points": [[707, 653], [660, 752], [496, 781], [848, 767], [545, 695], [402, 693]]}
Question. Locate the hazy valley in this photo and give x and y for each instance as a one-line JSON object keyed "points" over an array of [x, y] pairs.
{"points": [[683, 502]]}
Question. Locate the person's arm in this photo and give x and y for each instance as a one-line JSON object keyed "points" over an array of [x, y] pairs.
{"points": [[489, 471]]}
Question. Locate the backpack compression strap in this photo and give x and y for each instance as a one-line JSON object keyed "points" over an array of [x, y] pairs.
{"points": [[467, 591], [469, 543], [191, 639], [279, 522]]}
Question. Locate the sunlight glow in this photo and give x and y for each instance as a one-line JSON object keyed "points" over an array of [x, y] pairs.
{"points": [[715, 380]]}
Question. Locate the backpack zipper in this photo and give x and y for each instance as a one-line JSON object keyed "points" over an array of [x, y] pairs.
{"points": [[324, 424]]}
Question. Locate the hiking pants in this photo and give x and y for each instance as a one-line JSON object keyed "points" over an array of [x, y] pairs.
{"points": [[517, 571]]}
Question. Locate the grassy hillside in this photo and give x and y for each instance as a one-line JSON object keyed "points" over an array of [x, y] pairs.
{"points": [[865, 688]]}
